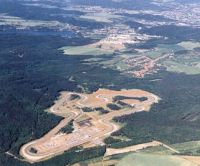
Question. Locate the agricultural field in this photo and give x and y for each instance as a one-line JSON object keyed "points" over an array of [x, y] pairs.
{"points": [[162, 49], [85, 50], [191, 148], [139, 159], [177, 58], [101, 17], [189, 45], [152, 153], [181, 68]]}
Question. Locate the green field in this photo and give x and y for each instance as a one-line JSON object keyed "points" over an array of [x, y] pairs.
{"points": [[190, 148], [153, 160], [160, 150], [186, 148], [155, 156], [100, 17], [181, 68], [162, 49], [85, 50], [189, 45]]}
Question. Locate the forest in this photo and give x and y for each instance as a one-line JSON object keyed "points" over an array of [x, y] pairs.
{"points": [[34, 72], [28, 87]]}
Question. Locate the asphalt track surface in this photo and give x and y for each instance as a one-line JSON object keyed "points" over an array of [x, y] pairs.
{"points": [[78, 137]]}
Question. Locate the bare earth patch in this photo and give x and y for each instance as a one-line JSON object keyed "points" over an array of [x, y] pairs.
{"points": [[89, 129]]}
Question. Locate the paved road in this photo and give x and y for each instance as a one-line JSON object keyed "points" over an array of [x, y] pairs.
{"points": [[79, 137]]}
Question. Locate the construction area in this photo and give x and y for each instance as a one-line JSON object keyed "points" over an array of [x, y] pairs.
{"points": [[90, 115]]}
